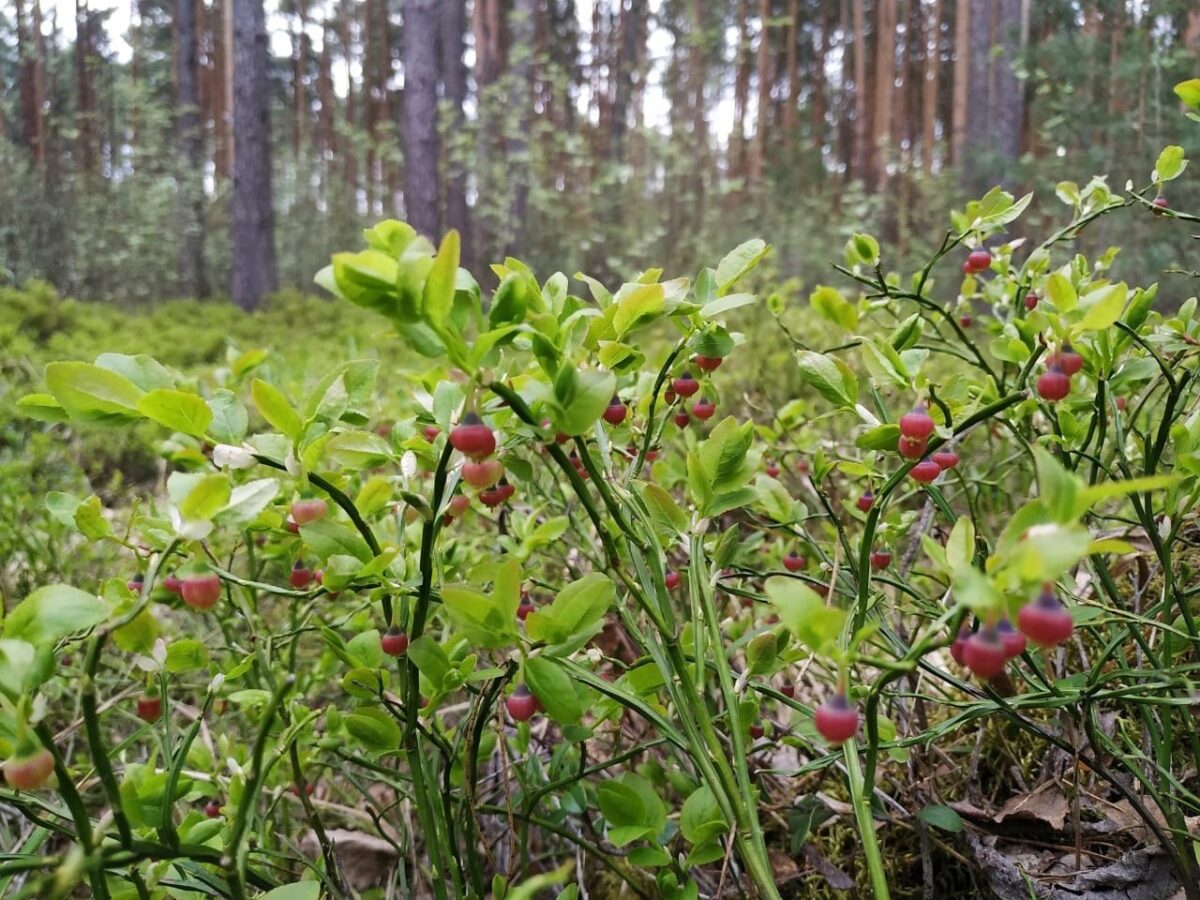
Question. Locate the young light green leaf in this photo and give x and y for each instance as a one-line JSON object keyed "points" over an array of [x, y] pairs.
{"points": [[804, 613], [93, 394], [275, 408], [831, 378], [52, 612], [830, 303], [1170, 164], [1102, 307], [738, 262], [177, 410]]}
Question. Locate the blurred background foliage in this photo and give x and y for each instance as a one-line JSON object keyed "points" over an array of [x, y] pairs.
{"points": [[601, 136]]}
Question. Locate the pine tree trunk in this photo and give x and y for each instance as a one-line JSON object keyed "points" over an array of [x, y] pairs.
{"points": [[792, 68], [420, 115], [962, 83], [739, 141], [326, 140], [299, 64], [252, 215], [454, 91], [885, 79], [190, 143], [995, 115], [820, 102], [929, 93], [349, 145], [859, 168], [521, 23], [758, 153]]}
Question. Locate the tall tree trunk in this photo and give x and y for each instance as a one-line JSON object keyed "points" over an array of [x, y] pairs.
{"points": [[371, 101], [420, 115], [222, 87], [252, 215], [820, 101], [326, 141], [349, 144], [758, 153], [929, 92], [85, 90], [453, 26], [698, 76], [32, 85], [739, 141], [845, 99], [299, 65], [861, 134], [962, 82], [885, 81], [190, 143], [996, 111], [624, 78], [521, 170], [792, 69]]}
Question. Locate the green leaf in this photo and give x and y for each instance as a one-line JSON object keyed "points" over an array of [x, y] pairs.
{"points": [[358, 450], [430, 659], [275, 408], [581, 397], [574, 616], [1170, 164], [229, 420], [42, 407], [1189, 92], [93, 394], [247, 500], [832, 379], [960, 547], [701, 818], [669, 520], [640, 306], [1102, 307], [177, 410], [975, 591], [1057, 488], [648, 857], [199, 497], [907, 333], [186, 655], [52, 612], [1061, 292], [301, 890], [62, 507], [941, 817], [881, 437], [510, 301], [89, 519], [482, 619], [555, 690], [438, 296], [724, 456], [144, 371], [830, 303], [327, 538], [139, 634], [726, 304], [374, 729], [738, 262], [862, 249], [631, 808], [804, 613], [247, 361]]}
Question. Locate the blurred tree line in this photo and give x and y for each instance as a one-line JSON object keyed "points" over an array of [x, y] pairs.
{"points": [[213, 147]]}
